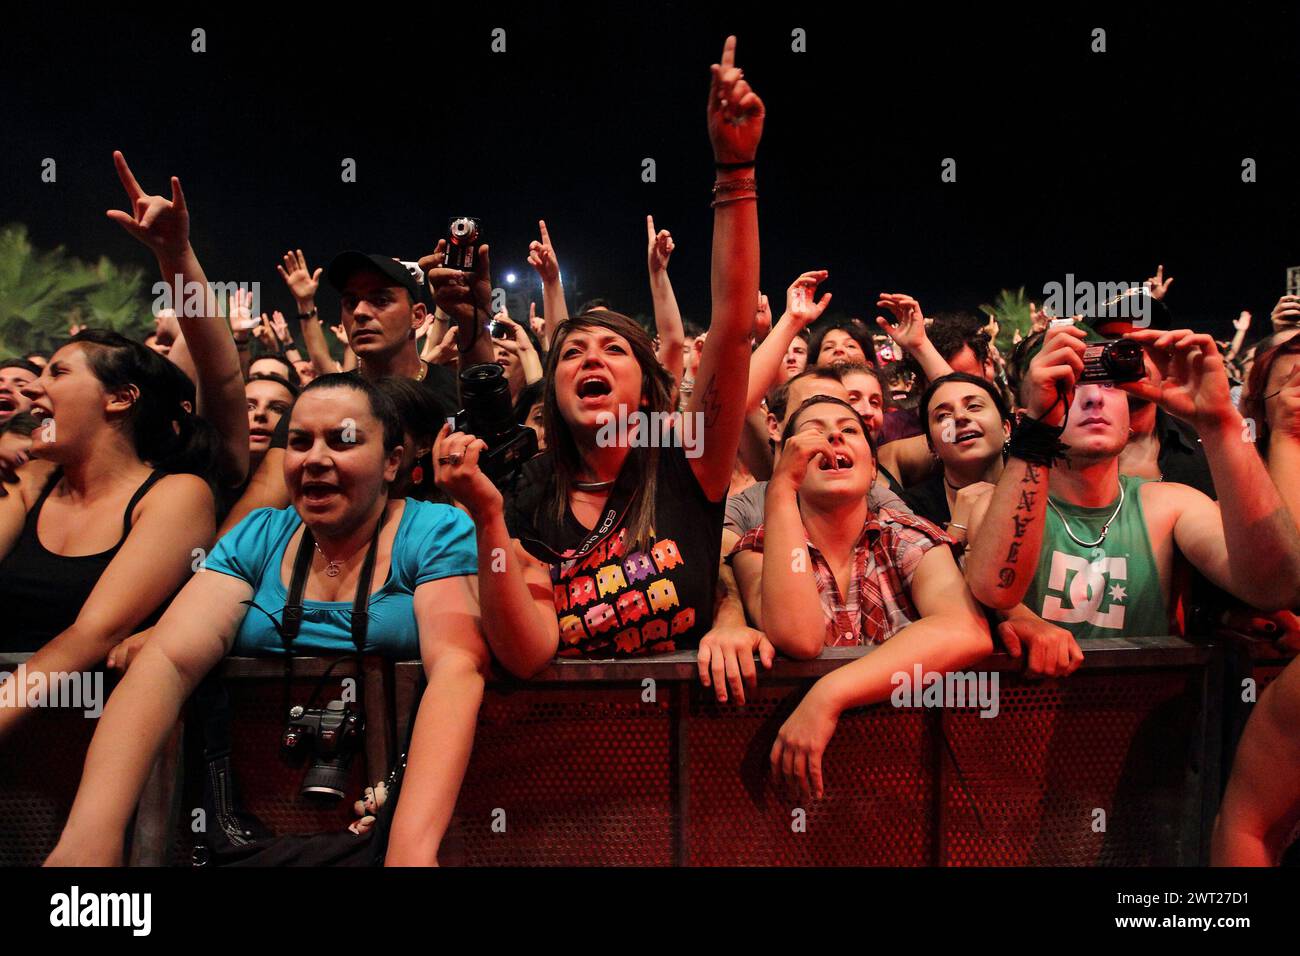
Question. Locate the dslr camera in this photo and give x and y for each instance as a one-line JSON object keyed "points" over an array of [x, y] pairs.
{"points": [[488, 415], [332, 736]]}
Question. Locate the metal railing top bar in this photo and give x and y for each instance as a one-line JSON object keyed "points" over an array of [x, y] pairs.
{"points": [[1099, 653]]}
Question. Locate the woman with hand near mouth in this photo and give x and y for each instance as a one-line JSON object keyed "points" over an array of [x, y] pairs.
{"points": [[342, 520], [859, 577], [92, 548], [611, 547]]}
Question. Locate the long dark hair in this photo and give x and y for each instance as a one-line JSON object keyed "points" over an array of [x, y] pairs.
{"points": [[1252, 396], [656, 390], [164, 431]]}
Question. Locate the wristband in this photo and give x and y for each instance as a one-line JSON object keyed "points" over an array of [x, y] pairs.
{"points": [[724, 202], [735, 185], [732, 166], [1037, 443]]}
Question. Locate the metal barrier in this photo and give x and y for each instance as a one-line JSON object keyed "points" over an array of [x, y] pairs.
{"points": [[633, 763]]}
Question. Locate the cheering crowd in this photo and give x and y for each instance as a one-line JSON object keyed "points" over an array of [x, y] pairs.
{"points": [[776, 485]]}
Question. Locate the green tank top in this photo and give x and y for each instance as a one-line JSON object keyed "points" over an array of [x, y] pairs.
{"points": [[1112, 590]]}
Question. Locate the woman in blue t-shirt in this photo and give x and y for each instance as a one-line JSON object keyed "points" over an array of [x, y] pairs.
{"points": [[343, 452]]}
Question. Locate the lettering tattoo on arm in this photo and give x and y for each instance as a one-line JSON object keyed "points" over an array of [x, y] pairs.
{"points": [[712, 407], [1021, 520]]}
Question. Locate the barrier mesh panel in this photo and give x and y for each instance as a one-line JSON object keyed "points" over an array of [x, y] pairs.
{"points": [[880, 791], [1057, 752], [568, 778], [40, 767]]}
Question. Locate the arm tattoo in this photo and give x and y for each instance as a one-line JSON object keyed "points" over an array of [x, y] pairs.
{"points": [[1021, 520], [709, 402]]}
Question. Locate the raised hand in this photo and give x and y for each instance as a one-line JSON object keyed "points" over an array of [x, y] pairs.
{"points": [[1286, 313], [1054, 370], [302, 282], [161, 224], [660, 247], [458, 295], [1158, 285], [1194, 380], [1242, 322], [801, 302], [240, 312], [536, 322], [763, 318], [1283, 408], [340, 333], [280, 327], [735, 113], [264, 333], [457, 472], [541, 255], [908, 329], [444, 353]]}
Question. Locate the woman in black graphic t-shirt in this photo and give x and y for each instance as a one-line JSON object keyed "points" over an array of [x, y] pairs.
{"points": [[611, 546]]}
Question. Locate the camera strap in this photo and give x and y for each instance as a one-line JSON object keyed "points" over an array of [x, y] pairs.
{"points": [[615, 511]]}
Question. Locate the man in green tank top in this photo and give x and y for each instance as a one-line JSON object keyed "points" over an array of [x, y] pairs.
{"points": [[1092, 552]]}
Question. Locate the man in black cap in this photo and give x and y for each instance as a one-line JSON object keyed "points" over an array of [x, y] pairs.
{"points": [[381, 310]]}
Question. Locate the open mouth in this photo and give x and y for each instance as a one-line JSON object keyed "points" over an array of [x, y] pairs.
{"points": [[966, 437], [842, 462], [317, 492], [594, 388], [260, 434], [7, 404], [40, 412]]}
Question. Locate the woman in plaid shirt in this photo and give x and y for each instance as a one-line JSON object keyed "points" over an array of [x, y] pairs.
{"points": [[835, 573]]}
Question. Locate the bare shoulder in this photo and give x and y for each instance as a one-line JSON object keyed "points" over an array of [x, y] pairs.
{"points": [[176, 492], [1164, 502]]}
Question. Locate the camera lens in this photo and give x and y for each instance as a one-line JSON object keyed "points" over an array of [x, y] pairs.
{"points": [[486, 394]]}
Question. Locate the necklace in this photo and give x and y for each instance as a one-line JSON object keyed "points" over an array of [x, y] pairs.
{"points": [[593, 485], [1104, 528], [333, 568]]}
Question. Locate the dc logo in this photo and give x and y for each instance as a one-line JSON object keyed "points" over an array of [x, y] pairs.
{"points": [[1092, 583]]}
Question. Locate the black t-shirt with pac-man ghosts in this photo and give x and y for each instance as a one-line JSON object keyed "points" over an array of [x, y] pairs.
{"points": [[620, 600]]}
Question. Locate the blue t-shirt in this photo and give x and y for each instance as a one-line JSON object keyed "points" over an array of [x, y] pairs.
{"points": [[433, 541]]}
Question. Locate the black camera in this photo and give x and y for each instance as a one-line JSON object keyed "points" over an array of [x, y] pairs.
{"points": [[1117, 361], [488, 415], [462, 243], [332, 736]]}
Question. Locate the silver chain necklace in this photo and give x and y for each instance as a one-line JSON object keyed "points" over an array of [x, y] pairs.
{"points": [[1105, 529]]}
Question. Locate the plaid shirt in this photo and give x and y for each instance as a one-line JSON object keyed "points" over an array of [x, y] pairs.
{"points": [[879, 602]]}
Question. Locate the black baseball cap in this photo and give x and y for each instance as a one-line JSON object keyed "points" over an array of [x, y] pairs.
{"points": [[346, 264]]}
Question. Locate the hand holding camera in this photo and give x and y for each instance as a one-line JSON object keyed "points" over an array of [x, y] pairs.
{"points": [[1193, 383], [456, 459], [459, 274], [1049, 383]]}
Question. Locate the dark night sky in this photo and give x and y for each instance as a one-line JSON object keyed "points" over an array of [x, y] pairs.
{"points": [[1067, 161]]}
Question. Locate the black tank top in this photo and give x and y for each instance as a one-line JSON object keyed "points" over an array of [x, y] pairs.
{"points": [[41, 593]]}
